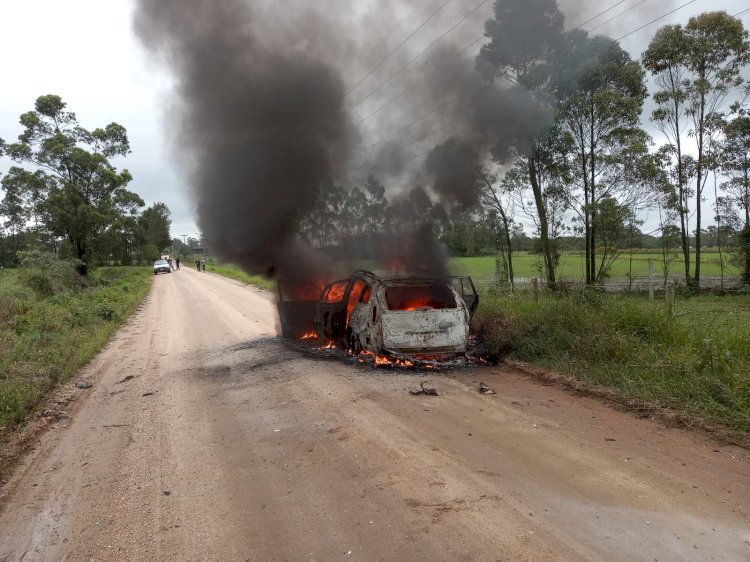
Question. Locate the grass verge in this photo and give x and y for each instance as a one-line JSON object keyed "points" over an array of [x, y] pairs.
{"points": [[44, 341], [234, 272], [697, 363]]}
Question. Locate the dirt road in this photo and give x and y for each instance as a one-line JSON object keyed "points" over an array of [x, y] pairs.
{"points": [[205, 438]]}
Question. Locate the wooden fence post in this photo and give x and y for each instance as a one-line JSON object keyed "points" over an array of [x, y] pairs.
{"points": [[535, 288], [669, 296], [651, 278]]}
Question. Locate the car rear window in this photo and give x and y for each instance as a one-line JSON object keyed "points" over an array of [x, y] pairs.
{"points": [[414, 297]]}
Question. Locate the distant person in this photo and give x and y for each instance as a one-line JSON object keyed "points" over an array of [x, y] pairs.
{"points": [[177, 261], [169, 261], [203, 263], [198, 265]]}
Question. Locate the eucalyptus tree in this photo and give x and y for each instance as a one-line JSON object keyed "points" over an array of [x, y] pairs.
{"points": [[717, 49], [665, 60], [75, 188], [698, 68], [497, 199], [526, 38], [735, 162], [600, 113]]}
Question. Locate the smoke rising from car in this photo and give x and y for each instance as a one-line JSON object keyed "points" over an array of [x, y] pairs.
{"points": [[265, 109]]}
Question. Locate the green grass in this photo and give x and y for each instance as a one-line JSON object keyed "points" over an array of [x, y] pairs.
{"points": [[234, 272], [44, 341], [571, 266], [697, 363]]}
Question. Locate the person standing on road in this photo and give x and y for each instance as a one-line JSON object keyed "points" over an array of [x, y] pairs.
{"points": [[203, 263], [177, 261], [198, 265], [169, 261]]}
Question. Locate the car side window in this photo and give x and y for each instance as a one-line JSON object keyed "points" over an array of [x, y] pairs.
{"points": [[336, 292], [365, 298]]}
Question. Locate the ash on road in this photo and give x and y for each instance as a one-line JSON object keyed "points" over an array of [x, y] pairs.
{"points": [[224, 444]]}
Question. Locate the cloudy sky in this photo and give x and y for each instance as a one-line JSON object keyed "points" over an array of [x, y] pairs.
{"points": [[86, 52]]}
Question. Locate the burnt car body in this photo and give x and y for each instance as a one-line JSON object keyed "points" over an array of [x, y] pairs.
{"points": [[389, 315]]}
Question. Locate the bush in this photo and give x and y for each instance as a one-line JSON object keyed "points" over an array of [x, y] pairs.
{"points": [[45, 274], [105, 312], [697, 362]]}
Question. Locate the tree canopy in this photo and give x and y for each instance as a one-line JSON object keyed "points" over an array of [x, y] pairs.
{"points": [[72, 187]]}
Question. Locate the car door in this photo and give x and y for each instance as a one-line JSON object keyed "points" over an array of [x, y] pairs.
{"points": [[330, 312], [296, 305], [464, 286]]}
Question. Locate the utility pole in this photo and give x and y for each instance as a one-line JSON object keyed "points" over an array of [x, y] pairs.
{"points": [[183, 238]]}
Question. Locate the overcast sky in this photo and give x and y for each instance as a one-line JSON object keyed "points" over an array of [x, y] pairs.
{"points": [[86, 52]]}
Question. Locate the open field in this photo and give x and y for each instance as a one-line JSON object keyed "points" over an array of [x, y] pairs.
{"points": [[234, 272], [697, 363], [571, 266], [43, 341]]}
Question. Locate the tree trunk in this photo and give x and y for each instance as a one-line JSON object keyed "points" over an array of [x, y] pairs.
{"points": [[506, 226], [81, 254], [594, 274], [746, 240], [699, 189], [586, 216], [541, 209], [681, 191]]}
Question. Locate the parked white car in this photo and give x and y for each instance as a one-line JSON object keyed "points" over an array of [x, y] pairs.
{"points": [[162, 266]]}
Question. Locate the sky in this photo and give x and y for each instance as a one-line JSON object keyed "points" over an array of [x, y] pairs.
{"points": [[86, 52]]}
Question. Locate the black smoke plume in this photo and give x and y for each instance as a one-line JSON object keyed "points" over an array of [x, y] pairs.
{"points": [[261, 127], [269, 104]]}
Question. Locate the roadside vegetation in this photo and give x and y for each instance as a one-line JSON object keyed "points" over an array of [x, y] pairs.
{"points": [[696, 363], [53, 321], [234, 272]]}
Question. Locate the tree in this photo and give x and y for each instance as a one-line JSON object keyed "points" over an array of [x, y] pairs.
{"points": [[75, 188], [735, 161], [498, 200], [717, 49], [600, 112], [526, 39], [698, 67], [153, 227], [616, 223], [665, 59]]}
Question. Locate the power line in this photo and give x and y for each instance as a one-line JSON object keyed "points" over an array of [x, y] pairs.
{"points": [[397, 96], [741, 13], [508, 78], [654, 21], [389, 55], [615, 17], [392, 76], [420, 139], [391, 135], [599, 14]]}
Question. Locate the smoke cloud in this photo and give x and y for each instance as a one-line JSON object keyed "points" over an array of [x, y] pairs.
{"points": [[268, 105]]}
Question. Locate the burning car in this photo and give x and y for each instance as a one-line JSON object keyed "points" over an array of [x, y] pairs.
{"points": [[387, 315]]}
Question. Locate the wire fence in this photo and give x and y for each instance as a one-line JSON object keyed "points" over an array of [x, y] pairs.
{"points": [[634, 284]]}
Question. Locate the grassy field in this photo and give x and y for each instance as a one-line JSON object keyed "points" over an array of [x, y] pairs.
{"points": [[45, 340], [697, 363], [234, 272], [571, 266]]}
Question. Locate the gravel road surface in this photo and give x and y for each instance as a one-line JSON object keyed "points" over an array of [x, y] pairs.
{"points": [[204, 437]]}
